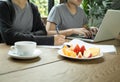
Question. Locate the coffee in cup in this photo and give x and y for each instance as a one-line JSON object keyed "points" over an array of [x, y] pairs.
{"points": [[24, 48]]}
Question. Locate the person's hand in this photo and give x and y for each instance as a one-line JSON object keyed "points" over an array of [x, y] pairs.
{"points": [[94, 30], [59, 39], [83, 31]]}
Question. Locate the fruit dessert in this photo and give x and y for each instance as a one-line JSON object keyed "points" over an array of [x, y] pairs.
{"points": [[78, 51]]}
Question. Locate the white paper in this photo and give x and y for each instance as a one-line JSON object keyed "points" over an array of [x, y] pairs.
{"points": [[44, 46], [103, 48]]}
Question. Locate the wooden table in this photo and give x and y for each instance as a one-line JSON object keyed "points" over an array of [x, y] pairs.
{"points": [[50, 67]]}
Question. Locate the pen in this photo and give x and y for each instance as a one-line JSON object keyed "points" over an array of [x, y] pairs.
{"points": [[57, 30]]}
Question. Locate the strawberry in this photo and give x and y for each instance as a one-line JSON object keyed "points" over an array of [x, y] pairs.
{"points": [[79, 55], [77, 49], [82, 49]]}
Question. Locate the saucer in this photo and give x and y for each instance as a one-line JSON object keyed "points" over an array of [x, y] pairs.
{"points": [[13, 54]]}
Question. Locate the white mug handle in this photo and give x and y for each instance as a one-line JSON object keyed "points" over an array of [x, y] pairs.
{"points": [[12, 48]]}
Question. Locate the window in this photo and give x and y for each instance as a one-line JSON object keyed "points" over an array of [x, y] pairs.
{"points": [[44, 6]]}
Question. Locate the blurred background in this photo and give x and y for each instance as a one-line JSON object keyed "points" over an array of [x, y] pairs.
{"points": [[94, 9]]}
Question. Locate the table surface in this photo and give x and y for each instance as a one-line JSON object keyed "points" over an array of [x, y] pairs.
{"points": [[51, 67]]}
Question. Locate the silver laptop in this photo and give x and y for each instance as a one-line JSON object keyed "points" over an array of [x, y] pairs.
{"points": [[109, 28]]}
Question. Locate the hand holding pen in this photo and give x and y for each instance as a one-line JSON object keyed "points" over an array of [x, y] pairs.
{"points": [[57, 30], [58, 39]]}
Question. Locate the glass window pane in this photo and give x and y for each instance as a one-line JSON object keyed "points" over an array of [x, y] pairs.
{"points": [[43, 6]]}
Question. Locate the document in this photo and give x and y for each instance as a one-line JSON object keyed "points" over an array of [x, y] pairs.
{"points": [[47, 46]]}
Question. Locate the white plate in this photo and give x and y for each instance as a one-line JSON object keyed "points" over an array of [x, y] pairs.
{"points": [[13, 54], [60, 52]]}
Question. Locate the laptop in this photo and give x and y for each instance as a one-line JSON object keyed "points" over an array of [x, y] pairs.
{"points": [[109, 28]]}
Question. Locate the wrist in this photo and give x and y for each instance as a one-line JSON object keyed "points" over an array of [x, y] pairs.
{"points": [[72, 31]]}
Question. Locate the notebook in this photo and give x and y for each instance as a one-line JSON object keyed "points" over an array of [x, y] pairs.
{"points": [[109, 28]]}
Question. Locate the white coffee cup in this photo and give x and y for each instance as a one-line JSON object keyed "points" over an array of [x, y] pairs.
{"points": [[24, 48]]}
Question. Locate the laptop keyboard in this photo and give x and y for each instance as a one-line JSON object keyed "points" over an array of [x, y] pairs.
{"points": [[80, 36], [87, 37]]}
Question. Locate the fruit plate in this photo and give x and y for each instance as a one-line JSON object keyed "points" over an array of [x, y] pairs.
{"points": [[60, 52]]}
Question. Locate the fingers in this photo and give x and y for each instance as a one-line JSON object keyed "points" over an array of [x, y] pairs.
{"points": [[59, 39], [87, 33], [91, 32], [94, 30]]}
